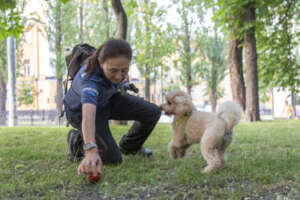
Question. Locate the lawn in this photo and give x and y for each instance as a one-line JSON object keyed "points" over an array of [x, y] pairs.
{"points": [[263, 162]]}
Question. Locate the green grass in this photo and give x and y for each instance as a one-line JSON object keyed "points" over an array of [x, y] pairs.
{"points": [[262, 162]]}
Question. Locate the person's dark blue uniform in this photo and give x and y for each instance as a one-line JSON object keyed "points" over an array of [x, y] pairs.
{"points": [[96, 89]]}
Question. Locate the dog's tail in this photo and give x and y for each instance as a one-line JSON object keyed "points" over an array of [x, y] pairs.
{"points": [[231, 113]]}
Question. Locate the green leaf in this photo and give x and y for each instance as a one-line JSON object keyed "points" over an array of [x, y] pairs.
{"points": [[7, 4], [65, 1], [19, 166]]}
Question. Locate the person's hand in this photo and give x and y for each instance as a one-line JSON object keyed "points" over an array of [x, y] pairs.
{"points": [[91, 163]]}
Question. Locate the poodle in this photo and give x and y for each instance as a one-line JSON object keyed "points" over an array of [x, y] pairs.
{"points": [[214, 131]]}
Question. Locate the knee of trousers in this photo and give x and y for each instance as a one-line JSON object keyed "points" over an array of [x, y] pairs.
{"points": [[115, 160], [156, 113]]}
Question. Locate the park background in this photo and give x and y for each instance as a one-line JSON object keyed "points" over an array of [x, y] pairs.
{"points": [[190, 45], [241, 50]]}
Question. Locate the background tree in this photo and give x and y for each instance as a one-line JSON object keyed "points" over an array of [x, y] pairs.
{"points": [[98, 22], [251, 73], [61, 29], [55, 34], [184, 32], [213, 66], [3, 75], [25, 93], [151, 43], [232, 19], [81, 32], [235, 65], [238, 17], [106, 17], [10, 28], [121, 18], [3, 81], [270, 28], [278, 45]]}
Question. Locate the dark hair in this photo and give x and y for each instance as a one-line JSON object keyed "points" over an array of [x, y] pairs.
{"points": [[111, 48]]}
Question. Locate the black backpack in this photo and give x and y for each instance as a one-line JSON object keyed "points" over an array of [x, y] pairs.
{"points": [[75, 60]]}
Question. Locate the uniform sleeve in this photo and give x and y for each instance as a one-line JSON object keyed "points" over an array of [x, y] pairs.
{"points": [[89, 90]]}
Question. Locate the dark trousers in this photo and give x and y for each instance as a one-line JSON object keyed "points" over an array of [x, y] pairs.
{"points": [[120, 107]]}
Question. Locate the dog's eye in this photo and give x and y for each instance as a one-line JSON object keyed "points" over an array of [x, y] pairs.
{"points": [[169, 102]]}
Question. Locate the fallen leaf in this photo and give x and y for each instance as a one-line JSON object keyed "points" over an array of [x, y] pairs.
{"points": [[19, 166]]}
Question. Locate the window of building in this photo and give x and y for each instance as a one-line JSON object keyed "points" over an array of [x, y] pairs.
{"points": [[26, 67], [27, 38]]}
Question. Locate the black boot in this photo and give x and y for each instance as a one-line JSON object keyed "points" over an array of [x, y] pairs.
{"points": [[142, 151], [74, 151]]}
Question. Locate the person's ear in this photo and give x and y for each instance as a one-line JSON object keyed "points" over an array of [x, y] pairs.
{"points": [[100, 63]]}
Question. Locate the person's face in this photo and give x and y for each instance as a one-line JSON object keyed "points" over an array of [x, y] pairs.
{"points": [[116, 69]]}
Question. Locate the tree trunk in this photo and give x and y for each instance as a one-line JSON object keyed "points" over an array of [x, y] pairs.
{"points": [[147, 89], [213, 100], [187, 49], [235, 60], [121, 18], [293, 103], [2, 93], [106, 17], [161, 85], [59, 96], [122, 26], [81, 21], [11, 90], [2, 100], [59, 71], [252, 98], [213, 88], [189, 80]]}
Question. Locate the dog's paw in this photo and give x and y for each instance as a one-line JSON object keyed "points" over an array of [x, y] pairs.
{"points": [[180, 153], [207, 169], [173, 155]]}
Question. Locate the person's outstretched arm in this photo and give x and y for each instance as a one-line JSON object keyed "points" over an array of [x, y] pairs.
{"points": [[92, 161]]}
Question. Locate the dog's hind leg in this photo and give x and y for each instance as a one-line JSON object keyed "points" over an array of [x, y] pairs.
{"points": [[220, 157], [207, 146], [221, 147]]}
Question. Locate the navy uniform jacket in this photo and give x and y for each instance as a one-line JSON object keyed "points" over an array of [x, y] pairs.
{"points": [[93, 88]]}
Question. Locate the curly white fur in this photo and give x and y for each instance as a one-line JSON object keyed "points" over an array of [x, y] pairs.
{"points": [[214, 131]]}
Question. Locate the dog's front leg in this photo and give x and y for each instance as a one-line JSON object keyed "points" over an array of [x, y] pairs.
{"points": [[172, 150], [177, 152], [180, 152]]}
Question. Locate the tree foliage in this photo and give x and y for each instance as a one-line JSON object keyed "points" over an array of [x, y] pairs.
{"points": [[10, 24], [278, 45], [212, 66], [98, 25], [62, 30], [185, 32], [277, 34], [151, 41], [7, 4], [25, 93]]}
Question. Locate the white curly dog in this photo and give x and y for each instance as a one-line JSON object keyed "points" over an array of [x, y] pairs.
{"points": [[214, 131]]}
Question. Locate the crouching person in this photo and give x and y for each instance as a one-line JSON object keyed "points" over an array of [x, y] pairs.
{"points": [[94, 98]]}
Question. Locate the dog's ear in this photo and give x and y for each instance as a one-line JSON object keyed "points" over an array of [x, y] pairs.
{"points": [[179, 99]]}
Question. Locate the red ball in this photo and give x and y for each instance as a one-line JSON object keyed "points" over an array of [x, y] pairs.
{"points": [[94, 179]]}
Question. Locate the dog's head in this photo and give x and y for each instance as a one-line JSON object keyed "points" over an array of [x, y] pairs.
{"points": [[178, 103]]}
